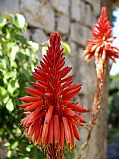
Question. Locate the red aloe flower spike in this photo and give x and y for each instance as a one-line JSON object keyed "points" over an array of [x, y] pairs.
{"points": [[101, 47], [101, 44], [48, 109]]}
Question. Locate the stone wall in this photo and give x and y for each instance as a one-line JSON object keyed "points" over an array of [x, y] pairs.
{"points": [[73, 19]]}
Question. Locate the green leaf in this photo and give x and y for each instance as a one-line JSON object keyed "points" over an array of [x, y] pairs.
{"points": [[35, 60], [2, 63], [2, 21], [9, 152], [19, 21], [6, 99], [14, 145], [17, 130], [10, 88], [9, 105], [67, 48], [0, 52], [9, 74], [3, 91], [34, 46], [16, 84], [44, 49], [14, 50], [28, 149]]}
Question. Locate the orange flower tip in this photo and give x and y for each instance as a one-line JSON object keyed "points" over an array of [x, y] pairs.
{"points": [[43, 141], [104, 11], [70, 148], [82, 120], [86, 110], [21, 99], [68, 143], [55, 34], [78, 138]]}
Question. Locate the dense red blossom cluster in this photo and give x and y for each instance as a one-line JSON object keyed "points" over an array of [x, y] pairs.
{"points": [[101, 44], [50, 115]]}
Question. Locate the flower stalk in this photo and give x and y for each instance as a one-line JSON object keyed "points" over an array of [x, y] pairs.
{"points": [[102, 49]]}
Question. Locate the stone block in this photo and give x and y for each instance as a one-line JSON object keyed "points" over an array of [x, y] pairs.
{"points": [[96, 6], [94, 20], [9, 6], [61, 6], [38, 36], [89, 15], [63, 24], [81, 12], [73, 58], [78, 10], [86, 71], [38, 14], [79, 33]]}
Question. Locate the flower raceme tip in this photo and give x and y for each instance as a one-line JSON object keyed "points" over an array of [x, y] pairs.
{"points": [[51, 118], [101, 44]]}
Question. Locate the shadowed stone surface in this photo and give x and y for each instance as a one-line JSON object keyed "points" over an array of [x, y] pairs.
{"points": [[113, 151]]}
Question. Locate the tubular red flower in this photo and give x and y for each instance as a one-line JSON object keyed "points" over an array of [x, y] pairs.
{"points": [[56, 129], [48, 108], [61, 135], [50, 135], [101, 44], [48, 117]]}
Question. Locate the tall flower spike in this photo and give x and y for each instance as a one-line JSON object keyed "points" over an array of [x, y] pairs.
{"points": [[50, 114], [102, 49], [101, 44]]}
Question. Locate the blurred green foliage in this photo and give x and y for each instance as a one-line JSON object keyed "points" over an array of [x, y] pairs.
{"points": [[17, 62], [114, 101]]}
